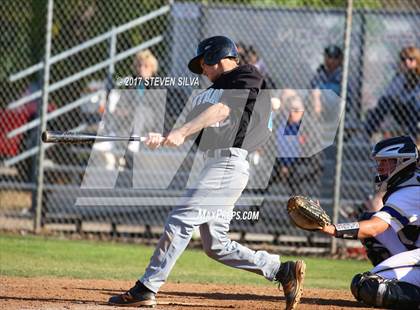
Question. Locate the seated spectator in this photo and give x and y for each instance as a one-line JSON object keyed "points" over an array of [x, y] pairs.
{"points": [[122, 109], [401, 98], [145, 64], [299, 174]]}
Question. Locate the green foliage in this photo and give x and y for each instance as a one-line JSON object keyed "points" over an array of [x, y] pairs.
{"points": [[14, 26], [37, 256]]}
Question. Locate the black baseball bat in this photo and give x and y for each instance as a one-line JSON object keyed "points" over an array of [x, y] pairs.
{"points": [[81, 138]]}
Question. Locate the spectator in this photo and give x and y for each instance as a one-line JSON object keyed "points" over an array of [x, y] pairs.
{"points": [[328, 76], [122, 108], [254, 59], [296, 172], [243, 53], [249, 55], [145, 64], [401, 99]]}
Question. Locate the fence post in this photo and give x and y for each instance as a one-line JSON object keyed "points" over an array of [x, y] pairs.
{"points": [[343, 99], [43, 115], [112, 51]]}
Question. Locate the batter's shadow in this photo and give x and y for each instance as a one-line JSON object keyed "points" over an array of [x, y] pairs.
{"points": [[55, 300], [112, 292], [273, 298]]}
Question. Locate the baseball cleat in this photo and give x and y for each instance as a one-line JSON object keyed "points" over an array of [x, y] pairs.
{"points": [[292, 282], [137, 296]]}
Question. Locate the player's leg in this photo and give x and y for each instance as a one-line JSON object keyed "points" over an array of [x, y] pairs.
{"points": [[395, 283], [374, 290], [403, 267], [208, 194], [177, 234], [217, 245], [232, 179], [221, 182], [175, 238]]}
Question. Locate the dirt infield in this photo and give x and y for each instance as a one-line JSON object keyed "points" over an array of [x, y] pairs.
{"points": [[47, 293]]}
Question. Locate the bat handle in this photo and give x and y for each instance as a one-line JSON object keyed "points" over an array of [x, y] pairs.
{"points": [[137, 138], [143, 139]]}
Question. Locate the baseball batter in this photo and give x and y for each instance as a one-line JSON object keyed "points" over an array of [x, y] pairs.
{"points": [[227, 121], [395, 280]]}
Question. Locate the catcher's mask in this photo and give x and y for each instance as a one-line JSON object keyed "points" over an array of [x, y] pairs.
{"points": [[213, 50], [405, 153]]}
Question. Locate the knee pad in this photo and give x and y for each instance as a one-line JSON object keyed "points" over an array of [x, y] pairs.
{"points": [[364, 287], [355, 284], [374, 290], [369, 288]]}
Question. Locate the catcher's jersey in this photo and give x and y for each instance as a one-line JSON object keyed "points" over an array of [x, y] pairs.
{"points": [[247, 126], [402, 212]]}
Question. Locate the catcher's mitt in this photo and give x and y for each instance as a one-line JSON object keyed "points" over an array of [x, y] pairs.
{"points": [[306, 213]]}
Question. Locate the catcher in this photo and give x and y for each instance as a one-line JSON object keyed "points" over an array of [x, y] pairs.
{"points": [[395, 280]]}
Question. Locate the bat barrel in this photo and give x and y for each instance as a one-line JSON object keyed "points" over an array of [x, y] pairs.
{"points": [[81, 138], [66, 137]]}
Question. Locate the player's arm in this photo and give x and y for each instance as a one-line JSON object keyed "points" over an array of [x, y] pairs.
{"points": [[215, 113], [357, 230]]}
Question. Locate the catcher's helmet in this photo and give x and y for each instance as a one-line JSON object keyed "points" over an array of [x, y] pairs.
{"points": [[404, 151], [213, 49]]}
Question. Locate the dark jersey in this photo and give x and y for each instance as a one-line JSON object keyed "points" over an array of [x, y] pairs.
{"points": [[247, 126]]}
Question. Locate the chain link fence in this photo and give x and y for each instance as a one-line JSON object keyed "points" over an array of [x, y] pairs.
{"points": [[101, 49]]}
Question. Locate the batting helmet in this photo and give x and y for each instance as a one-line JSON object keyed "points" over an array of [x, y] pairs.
{"points": [[213, 50]]}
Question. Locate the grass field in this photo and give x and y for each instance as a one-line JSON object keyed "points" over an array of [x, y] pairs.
{"points": [[33, 256]]}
